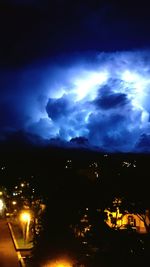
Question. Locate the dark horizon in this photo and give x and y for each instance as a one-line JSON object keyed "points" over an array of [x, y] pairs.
{"points": [[119, 173]]}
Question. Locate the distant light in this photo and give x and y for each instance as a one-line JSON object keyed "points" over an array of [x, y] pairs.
{"points": [[126, 163], [96, 174], [1, 193], [22, 184], [1, 204], [95, 164], [3, 168], [14, 202]]}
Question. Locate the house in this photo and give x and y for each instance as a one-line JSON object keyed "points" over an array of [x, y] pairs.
{"points": [[121, 221]]}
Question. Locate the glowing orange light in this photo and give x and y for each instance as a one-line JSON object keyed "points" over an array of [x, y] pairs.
{"points": [[59, 263], [1, 204], [25, 217]]}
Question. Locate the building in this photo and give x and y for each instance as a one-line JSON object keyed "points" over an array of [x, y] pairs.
{"points": [[136, 222]]}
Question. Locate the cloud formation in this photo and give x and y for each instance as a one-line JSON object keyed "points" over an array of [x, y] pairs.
{"points": [[101, 103]]}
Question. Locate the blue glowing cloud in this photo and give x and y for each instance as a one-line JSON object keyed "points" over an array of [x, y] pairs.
{"points": [[102, 104]]}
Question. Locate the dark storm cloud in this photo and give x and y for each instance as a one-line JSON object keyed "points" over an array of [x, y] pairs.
{"points": [[81, 141], [57, 83], [56, 108], [144, 143], [87, 103], [109, 132], [111, 100], [17, 91]]}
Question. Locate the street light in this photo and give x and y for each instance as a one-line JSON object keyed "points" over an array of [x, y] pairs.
{"points": [[25, 218], [2, 207], [1, 204]]}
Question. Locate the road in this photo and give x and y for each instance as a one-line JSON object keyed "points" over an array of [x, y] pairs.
{"points": [[8, 254]]}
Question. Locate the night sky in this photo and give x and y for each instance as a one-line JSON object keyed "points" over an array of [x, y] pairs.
{"points": [[75, 74]]}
